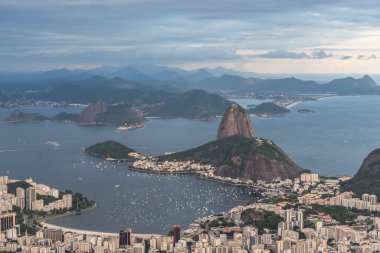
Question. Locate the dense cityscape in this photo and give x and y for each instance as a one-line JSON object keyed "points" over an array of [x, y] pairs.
{"points": [[307, 214]]}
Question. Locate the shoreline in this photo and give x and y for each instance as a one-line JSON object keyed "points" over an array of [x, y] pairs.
{"points": [[57, 216], [92, 232]]}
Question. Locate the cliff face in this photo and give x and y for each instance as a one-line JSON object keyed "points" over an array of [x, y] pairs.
{"points": [[88, 116], [240, 157], [367, 179], [235, 122]]}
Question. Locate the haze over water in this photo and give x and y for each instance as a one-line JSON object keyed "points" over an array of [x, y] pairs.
{"points": [[333, 141]]}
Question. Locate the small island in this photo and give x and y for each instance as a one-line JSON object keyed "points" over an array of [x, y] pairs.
{"points": [[21, 117], [111, 150], [17, 116], [305, 111], [268, 109]]}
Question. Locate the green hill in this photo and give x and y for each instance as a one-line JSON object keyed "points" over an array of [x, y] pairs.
{"points": [[18, 116], [109, 149]]}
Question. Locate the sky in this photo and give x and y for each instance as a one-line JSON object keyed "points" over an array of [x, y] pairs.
{"points": [[262, 36]]}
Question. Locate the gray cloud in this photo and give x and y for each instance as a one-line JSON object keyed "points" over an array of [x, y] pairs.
{"points": [[167, 31], [282, 54], [321, 54]]}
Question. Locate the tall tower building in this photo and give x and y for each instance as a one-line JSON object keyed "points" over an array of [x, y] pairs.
{"points": [[31, 196], [176, 234], [125, 235]]}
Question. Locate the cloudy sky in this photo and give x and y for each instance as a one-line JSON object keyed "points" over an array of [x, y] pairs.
{"points": [[264, 36]]}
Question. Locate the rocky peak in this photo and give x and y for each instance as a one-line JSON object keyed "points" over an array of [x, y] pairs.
{"points": [[88, 116], [235, 121]]}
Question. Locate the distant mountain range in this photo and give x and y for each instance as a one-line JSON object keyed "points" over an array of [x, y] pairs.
{"points": [[176, 80]]}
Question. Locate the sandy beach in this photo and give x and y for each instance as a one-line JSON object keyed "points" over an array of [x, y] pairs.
{"points": [[98, 233]]}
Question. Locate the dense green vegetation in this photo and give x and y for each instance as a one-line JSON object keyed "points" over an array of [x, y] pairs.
{"points": [[120, 115], [65, 116], [19, 116], [196, 104], [29, 219], [361, 185], [221, 222], [46, 198], [109, 149], [80, 202], [223, 150], [268, 108], [19, 184], [341, 214], [261, 219]]}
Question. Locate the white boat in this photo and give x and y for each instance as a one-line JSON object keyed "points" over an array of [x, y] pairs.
{"points": [[53, 143], [122, 128]]}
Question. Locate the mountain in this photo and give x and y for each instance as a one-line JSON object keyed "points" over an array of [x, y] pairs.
{"points": [[268, 109], [240, 157], [350, 85], [235, 121], [286, 85], [195, 104], [132, 74], [226, 82], [220, 71], [119, 114], [166, 75], [367, 179], [88, 115], [199, 75], [113, 90]]}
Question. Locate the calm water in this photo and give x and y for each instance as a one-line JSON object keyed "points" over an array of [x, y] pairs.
{"points": [[333, 141]]}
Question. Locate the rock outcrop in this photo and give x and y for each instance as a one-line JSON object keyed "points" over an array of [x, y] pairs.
{"points": [[235, 122], [367, 179], [88, 116]]}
